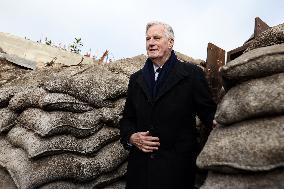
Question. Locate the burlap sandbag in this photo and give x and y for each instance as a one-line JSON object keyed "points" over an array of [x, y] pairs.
{"points": [[39, 98], [28, 173], [6, 93], [65, 102], [271, 36], [7, 119], [260, 180], [26, 99], [260, 62], [254, 98], [254, 145], [57, 122], [111, 116], [28, 81], [36, 146], [127, 66], [98, 86], [6, 182], [104, 180], [36, 79]]}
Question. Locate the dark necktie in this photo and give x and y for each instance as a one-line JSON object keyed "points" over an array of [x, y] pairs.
{"points": [[158, 70], [156, 81]]}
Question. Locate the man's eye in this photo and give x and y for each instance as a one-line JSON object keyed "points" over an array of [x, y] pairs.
{"points": [[147, 38]]}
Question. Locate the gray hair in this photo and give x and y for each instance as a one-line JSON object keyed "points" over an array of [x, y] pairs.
{"points": [[168, 29]]}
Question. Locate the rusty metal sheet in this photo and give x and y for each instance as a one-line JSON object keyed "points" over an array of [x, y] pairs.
{"points": [[215, 60], [259, 27]]}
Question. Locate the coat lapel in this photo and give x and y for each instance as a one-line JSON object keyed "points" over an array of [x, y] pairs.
{"points": [[141, 81], [175, 76], [146, 80]]}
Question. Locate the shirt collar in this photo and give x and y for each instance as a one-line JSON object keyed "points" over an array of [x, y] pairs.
{"points": [[156, 67]]}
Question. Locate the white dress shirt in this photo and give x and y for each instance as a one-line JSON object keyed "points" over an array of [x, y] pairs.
{"points": [[155, 70]]}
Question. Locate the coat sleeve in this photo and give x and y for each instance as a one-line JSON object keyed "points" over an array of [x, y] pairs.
{"points": [[205, 106], [127, 123]]}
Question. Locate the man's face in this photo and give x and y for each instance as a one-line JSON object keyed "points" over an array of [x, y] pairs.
{"points": [[158, 45]]}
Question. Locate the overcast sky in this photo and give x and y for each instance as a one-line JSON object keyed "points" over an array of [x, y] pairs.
{"points": [[119, 25]]}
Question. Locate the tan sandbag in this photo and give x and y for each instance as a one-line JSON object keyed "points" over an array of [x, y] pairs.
{"points": [[28, 173], [26, 82], [58, 122], [254, 98], [260, 180], [105, 180], [39, 98], [271, 36], [6, 182], [6, 93], [78, 124], [7, 119], [97, 85], [254, 145], [26, 99], [36, 146], [257, 63], [65, 102], [127, 66], [111, 116]]}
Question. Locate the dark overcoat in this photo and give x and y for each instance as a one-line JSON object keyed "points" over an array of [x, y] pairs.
{"points": [[170, 115]]}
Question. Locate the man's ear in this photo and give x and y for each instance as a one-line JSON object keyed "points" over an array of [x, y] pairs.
{"points": [[171, 43]]}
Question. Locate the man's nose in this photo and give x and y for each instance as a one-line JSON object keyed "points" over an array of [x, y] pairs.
{"points": [[151, 41]]}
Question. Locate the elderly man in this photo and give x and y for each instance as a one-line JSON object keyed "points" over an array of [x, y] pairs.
{"points": [[158, 124]]}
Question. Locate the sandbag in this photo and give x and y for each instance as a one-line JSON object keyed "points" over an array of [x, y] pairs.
{"points": [[111, 116], [39, 98], [57, 122], [7, 119], [26, 99], [98, 86], [64, 102], [271, 36], [6, 93], [36, 146], [254, 98], [262, 180], [6, 182], [254, 145], [28, 81], [28, 173], [257, 63], [127, 66], [106, 180]]}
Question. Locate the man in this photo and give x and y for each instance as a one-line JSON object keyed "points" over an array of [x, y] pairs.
{"points": [[158, 124]]}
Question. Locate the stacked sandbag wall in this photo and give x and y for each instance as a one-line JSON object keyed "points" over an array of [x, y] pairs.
{"points": [[58, 129], [247, 150]]}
